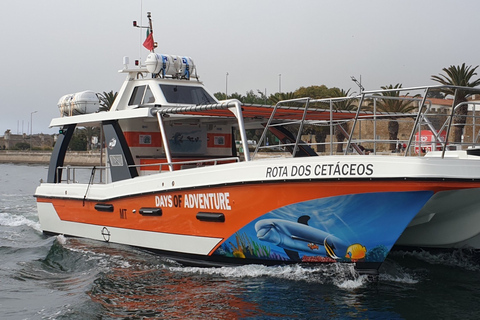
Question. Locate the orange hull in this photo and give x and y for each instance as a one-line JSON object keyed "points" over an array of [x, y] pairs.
{"points": [[240, 204]]}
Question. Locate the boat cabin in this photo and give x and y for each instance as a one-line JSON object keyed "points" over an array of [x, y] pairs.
{"points": [[139, 139]]}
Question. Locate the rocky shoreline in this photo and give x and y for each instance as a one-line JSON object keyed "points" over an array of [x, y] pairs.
{"points": [[42, 157]]}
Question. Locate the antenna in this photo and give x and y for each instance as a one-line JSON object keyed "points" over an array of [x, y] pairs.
{"points": [[358, 83], [149, 16], [149, 32]]}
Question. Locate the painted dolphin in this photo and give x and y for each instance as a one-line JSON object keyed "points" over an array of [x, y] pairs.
{"points": [[299, 236]]}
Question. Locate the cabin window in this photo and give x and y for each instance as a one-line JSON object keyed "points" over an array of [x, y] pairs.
{"points": [[186, 94], [148, 97], [141, 95]]}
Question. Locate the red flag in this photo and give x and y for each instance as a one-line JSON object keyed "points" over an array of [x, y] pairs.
{"points": [[148, 43]]}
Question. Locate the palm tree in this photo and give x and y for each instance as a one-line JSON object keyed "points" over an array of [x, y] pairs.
{"points": [[394, 105], [236, 95], [252, 98], [458, 76], [220, 95], [106, 100], [279, 96], [89, 132], [347, 104]]}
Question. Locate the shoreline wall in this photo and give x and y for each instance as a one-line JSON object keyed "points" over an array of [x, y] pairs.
{"points": [[33, 157]]}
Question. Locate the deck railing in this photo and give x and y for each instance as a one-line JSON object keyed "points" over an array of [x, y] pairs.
{"points": [[99, 174], [420, 130], [189, 163], [82, 174]]}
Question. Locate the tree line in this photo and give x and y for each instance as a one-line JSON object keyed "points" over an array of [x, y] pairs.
{"points": [[314, 92]]}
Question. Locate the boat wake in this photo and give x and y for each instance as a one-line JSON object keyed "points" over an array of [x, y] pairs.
{"points": [[403, 268], [392, 271], [344, 276], [129, 282], [467, 259], [113, 256], [340, 275]]}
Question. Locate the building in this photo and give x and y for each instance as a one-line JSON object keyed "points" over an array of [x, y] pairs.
{"points": [[36, 141]]}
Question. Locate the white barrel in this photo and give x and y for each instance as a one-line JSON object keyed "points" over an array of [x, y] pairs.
{"points": [[64, 104], [170, 65], [78, 103], [187, 67]]}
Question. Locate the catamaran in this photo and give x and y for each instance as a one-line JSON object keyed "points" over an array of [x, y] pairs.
{"points": [[182, 178]]}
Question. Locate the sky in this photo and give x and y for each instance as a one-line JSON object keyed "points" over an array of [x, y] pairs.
{"points": [[56, 47]]}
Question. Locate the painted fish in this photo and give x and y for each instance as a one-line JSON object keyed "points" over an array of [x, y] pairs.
{"points": [[330, 249], [356, 252], [295, 236], [238, 254]]}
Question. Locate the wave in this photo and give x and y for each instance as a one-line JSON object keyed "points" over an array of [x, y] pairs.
{"points": [[108, 256], [17, 220], [391, 271]]}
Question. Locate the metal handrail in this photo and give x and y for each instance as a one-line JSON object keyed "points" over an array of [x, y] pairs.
{"points": [[71, 172], [420, 116], [161, 164], [71, 175]]}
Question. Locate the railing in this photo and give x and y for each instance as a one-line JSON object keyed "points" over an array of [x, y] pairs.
{"points": [[188, 164], [82, 174], [98, 174], [367, 129]]}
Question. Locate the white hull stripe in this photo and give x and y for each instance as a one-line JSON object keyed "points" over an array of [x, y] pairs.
{"points": [[153, 240]]}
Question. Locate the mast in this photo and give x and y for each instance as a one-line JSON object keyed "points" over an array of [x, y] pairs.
{"points": [[150, 29], [149, 42]]}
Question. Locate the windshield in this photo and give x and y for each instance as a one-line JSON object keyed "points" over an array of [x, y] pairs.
{"points": [[141, 96], [186, 94]]}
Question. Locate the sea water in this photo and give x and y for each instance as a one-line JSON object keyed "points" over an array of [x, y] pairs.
{"points": [[65, 278]]}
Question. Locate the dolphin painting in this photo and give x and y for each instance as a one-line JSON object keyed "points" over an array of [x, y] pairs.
{"points": [[299, 236]]}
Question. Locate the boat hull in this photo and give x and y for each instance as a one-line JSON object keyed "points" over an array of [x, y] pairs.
{"points": [[269, 223], [450, 219]]}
